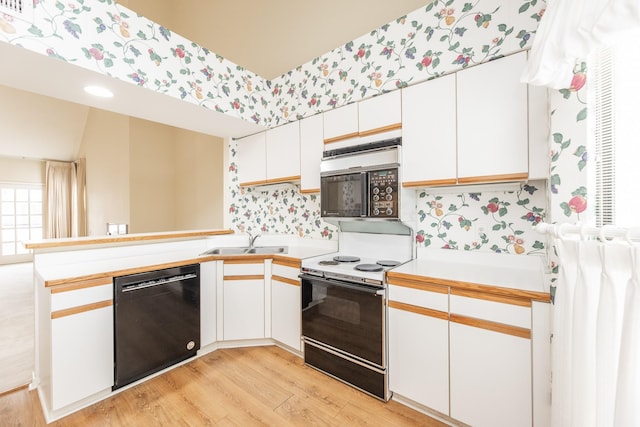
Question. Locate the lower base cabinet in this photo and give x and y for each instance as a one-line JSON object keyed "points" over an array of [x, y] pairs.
{"points": [[419, 358], [81, 355], [286, 304], [243, 309], [490, 377]]}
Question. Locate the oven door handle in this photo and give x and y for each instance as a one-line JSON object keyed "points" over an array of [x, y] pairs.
{"points": [[333, 282]]}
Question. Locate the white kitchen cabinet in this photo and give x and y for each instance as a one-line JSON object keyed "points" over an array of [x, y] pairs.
{"points": [[539, 149], [81, 343], [380, 114], [243, 300], [490, 362], [492, 121], [341, 123], [251, 160], [311, 147], [429, 133], [207, 303], [285, 304], [283, 153], [419, 345]]}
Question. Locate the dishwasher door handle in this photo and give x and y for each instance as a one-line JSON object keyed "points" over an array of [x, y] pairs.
{"points": [[159, 282]]}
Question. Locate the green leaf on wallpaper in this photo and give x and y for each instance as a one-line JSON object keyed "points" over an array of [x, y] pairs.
{"points": [[496, 227], [580, 191], [494, 200], [35, 31], [449, 2], [538, 245], [467, 7], [452, 208], [422, 194], [129, 61], [485, 48], [580, 151], [434, 224], [523, 202], [107, 62], [582, 115], [565, 144], [502, 27], [565, 207], [142, 35], [581, 165], [518, 232], [555, 179], [506, 33], [502, 211], [430, 6], [443, 38], [523, 8], [454, 46], [442, 235], [557, 138]]}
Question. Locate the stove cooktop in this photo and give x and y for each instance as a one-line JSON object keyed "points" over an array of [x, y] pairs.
{"points": [[348, 267]]}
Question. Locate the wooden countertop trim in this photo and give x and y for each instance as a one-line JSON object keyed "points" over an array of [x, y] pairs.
{"points": [[487, 289], [419, 310], [341, 137], [125, 272], [417, 284], [309, 191], [245, 277], [522, 302], [285, 280], [283, 179], [288, 262], [80, 309], [80, 241], [245, 260], [491, 326], [82, 285], [523, 176], [430, 183], [382, 129], [253, 183]]}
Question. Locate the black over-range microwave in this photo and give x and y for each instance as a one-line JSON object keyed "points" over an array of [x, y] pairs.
{"points": [[361, 181]]}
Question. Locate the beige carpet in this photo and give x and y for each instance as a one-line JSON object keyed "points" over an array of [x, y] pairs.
{"points": [[16, 325]]}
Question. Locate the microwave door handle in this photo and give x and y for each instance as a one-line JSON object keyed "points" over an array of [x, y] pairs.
{"points": [[364, 206]]}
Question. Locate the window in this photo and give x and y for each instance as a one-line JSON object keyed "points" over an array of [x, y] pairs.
{"points": [[20, 220], [614, 96]]}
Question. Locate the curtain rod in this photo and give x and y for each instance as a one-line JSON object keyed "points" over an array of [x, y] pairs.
{"points": [[606, 232]]}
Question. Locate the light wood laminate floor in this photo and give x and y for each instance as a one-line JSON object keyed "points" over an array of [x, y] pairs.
{"points": [[229, 387], [16, 325]]}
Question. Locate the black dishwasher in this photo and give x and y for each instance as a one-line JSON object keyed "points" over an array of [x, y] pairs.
{"points": [[156, 321]]}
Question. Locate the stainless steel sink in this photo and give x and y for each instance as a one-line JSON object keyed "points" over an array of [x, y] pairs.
{"points": [[267, 250], [263, 250]]}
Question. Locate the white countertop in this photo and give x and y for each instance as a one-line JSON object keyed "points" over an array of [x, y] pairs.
{"points": [[502, 270]]}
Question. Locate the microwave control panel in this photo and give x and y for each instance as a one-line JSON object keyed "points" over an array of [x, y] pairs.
{"points": [[383, 193]]}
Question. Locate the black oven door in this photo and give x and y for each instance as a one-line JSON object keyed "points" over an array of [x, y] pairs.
{"points": [[346, 317], [344, 196]]}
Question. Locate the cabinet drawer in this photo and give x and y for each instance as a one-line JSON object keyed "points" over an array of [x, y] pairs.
{"points": [[420, 298], [285, 271], [514, 313], [78, 297], [244, 269]]}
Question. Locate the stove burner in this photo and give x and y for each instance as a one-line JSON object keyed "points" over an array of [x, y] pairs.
{"points": [[388, 263], [346, 258], [368, 267], [328, 262]]}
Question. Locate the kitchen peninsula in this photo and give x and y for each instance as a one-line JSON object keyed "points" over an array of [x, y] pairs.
{"points": [[74, 287]]}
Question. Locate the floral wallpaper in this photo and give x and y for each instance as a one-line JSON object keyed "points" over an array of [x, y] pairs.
{"points": [[496, 221]]}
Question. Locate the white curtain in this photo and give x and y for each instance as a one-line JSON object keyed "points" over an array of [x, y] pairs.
{"points": [[64, 201], [596, 342], [569, 31]]}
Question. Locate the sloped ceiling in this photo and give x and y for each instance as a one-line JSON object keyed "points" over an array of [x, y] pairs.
{"points": [[41, 119]]}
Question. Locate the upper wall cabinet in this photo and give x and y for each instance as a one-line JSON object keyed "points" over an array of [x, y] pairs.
{"points": [[429, 133], [379, 114], [311, 147], [283, 153], [270, 157], [341, 123], [492, 121], [372, 116], [539, 155], [252, 168]]}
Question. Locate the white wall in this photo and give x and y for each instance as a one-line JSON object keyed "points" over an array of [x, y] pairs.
{"points": [[14, 169]]}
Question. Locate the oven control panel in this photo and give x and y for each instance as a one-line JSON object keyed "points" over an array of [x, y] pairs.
{"points": [[383, 193]]}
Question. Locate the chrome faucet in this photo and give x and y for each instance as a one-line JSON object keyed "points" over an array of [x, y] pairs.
{"points": [[252, 239]]}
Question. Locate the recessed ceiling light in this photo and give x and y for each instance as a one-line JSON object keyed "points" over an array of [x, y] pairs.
{"points": [[98, 91]]}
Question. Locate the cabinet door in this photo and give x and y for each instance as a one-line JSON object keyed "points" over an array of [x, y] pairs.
{"points": [[251, 160], [490, 377], [341, 123], [429, 133], [492, 121], [539, 149], [283, 153], [419, 357], [490, 360], [285, 312], [243, 309], [207, 303], [311, 147], [81, 355], [380, 114]]}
